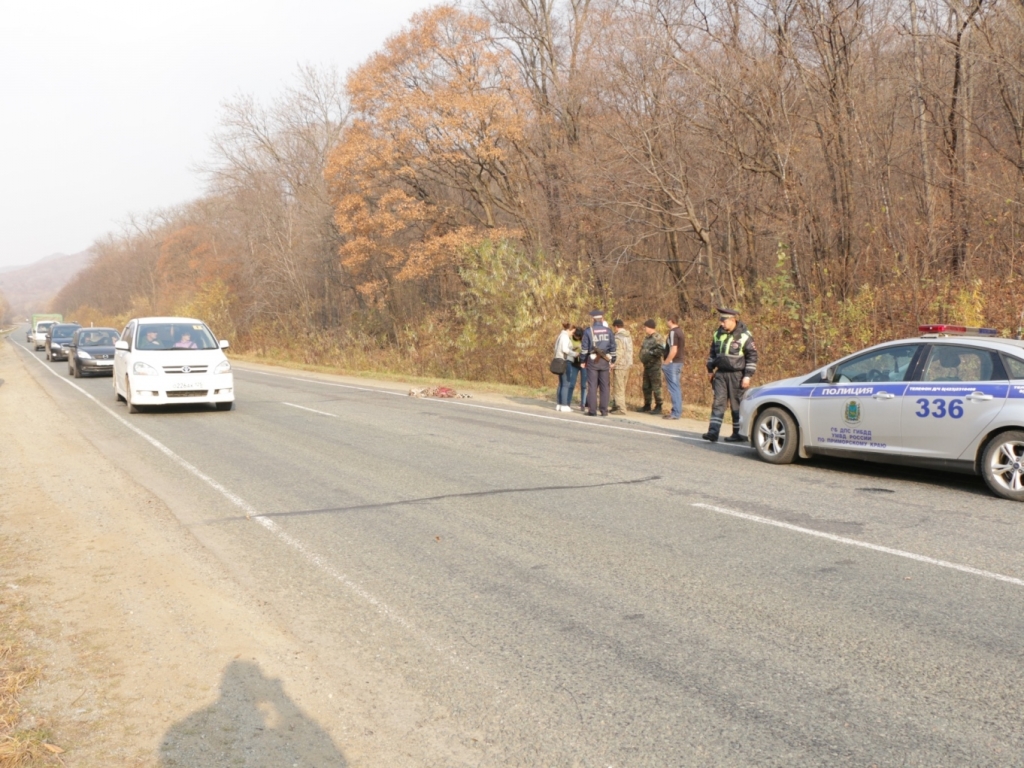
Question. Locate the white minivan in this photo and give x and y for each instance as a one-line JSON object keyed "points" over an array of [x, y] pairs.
{"points": [[171, 360]]}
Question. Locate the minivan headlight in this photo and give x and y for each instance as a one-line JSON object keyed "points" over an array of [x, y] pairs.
{"points": [[144, 369], [222, 367], [84, 355]]}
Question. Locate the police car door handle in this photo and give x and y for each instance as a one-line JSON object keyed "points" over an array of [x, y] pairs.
{"points": [[978, 397], [883, 396]]}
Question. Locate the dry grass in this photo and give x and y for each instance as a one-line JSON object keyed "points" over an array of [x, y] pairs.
{"points": [[24, 741]]}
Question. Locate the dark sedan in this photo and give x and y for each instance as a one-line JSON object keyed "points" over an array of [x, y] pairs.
{"points": [[91, 351], [56, 338]]}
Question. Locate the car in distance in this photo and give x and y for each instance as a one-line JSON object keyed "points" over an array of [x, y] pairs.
{"points": [[39, 331], [171, 360], [951, 399], [57, 337], [91, 351], [45, 320]]}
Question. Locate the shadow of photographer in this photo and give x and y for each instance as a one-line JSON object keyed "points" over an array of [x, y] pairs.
{"points": [[254, 724]]}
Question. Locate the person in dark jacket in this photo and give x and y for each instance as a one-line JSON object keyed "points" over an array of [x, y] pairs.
{"points": [[731, 364], [597, 355], [578, 371]]}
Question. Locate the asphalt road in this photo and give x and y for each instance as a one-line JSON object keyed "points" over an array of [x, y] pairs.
{"points": [[571, 594]]}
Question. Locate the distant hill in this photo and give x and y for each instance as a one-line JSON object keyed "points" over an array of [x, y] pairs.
{"points": [[30, 288]]}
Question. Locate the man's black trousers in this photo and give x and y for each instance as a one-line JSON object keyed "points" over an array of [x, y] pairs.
{"points": [[727, 390]]}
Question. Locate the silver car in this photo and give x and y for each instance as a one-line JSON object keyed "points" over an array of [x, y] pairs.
{"points": [[951, 399]]}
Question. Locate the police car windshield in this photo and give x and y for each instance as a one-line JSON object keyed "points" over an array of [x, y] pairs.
{"points": [[175, 337], [889, 364]]}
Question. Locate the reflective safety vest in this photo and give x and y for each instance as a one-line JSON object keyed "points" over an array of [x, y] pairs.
{"points": [[728, 346], [733, 351]]}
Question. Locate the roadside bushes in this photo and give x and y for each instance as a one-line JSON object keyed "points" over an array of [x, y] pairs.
{"points": [[512, 308]]}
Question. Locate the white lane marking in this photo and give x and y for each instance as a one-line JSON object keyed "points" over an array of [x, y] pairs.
{"points": [[237, 501], [252, 513], [311, 410], [379, 605], [383, 609], [862, 544], [559, 419], [326, 383], [563, 420]]}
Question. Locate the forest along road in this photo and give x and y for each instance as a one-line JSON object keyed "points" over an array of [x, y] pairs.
{"points": [[545, 590]]}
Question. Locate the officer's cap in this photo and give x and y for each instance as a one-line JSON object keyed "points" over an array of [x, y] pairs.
{"points": [[597, 313], [650, 324], [724, 313]]}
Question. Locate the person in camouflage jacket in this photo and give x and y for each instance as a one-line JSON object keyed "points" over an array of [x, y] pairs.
{"points": [[651, 353]]}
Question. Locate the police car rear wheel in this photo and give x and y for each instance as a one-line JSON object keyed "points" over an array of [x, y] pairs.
{"points": [[775, 436], [1002, 465]]}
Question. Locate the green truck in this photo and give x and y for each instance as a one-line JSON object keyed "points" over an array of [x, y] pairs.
{"points": [[40, 325]]}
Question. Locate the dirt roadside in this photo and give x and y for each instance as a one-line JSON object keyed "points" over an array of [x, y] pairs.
{"points": [[130, 620]]}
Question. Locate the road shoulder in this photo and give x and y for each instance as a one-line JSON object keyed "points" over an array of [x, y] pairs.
{"points": [[143, 637]]}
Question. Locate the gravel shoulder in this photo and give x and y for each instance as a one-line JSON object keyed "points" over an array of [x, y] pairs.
{"points": [[131, 619]]}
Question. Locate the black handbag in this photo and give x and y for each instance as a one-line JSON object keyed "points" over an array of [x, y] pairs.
{"points": [[558, 366]]}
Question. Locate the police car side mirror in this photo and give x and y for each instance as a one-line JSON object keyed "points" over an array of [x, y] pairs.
{"points": [[829, 374]]}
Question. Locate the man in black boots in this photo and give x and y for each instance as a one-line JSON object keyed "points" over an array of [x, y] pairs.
{"points": [[731, 365]]}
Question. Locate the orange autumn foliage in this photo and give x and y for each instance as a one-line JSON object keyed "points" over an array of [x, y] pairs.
{"points": [[430, 162]]}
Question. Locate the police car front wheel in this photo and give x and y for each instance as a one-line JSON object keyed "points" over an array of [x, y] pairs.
{"points": [[1002, 465], [775, 436]]}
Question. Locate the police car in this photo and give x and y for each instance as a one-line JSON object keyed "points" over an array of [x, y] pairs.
{"points": [[951, 399]]}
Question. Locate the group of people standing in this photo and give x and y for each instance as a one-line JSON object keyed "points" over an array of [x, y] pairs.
{"points": [[599, 357]]}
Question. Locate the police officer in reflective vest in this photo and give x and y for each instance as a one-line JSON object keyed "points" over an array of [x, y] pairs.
{"points": [[597, 354], [731, 364]]}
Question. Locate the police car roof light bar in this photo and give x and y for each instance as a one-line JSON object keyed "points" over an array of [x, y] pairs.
{"points": [[958, 329]]}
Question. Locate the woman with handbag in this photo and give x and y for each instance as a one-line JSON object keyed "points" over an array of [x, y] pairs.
{"points": [[562, 364]]}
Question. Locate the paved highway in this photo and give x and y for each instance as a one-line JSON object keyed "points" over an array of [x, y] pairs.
{"points": [[565, 593]]}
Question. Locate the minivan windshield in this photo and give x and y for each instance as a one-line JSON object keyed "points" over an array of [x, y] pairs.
{"points": [[175, 336]]}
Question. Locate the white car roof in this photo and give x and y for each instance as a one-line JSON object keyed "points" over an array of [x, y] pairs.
{"points": [[989, 342], [1015, 346], [166, 320]]}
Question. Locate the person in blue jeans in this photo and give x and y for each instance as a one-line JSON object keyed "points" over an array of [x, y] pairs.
{"points": [[673, 366], [563, 351]]}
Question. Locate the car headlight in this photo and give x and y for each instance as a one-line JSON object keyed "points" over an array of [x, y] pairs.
{"points": [[84, 355], [222, 367], [144, 369]]}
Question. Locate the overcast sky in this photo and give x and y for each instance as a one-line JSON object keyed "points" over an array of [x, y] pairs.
{"points": [[107, 106]]}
